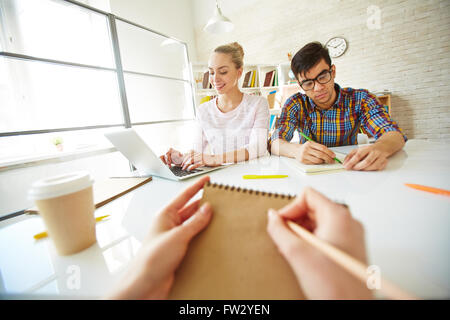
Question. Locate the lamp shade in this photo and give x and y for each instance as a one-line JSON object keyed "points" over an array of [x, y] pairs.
{"points": [[218, 23]]}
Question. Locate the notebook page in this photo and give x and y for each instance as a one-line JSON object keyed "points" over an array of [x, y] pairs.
{"points": [[314, 168]]}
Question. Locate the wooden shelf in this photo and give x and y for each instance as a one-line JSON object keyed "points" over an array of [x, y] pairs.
{"points": [[275, 111], [206, 92], [260, 71], [270, 88], [385, 100]]}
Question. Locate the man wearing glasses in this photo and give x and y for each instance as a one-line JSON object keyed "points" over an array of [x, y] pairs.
{"points": [[332, 116]]}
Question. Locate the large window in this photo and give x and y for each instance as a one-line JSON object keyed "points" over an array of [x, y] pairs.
{"points": [[68, 72]]}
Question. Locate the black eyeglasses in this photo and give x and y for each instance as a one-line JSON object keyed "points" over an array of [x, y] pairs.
{"points": [[322, 78]]}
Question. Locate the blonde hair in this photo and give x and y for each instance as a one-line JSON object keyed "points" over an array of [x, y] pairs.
{"points": [[235, 50]]}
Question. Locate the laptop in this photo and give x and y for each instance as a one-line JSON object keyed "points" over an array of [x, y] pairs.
{"points": [[131, 145]]}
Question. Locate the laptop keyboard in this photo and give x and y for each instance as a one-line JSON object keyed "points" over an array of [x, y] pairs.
{"points": [[181, 173]]}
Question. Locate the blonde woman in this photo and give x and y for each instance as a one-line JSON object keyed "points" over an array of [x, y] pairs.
{"points": [[231, 127]]}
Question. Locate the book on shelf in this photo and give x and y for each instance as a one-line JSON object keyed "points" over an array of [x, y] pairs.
{"points": [[199, 80], [272, 123], [252, 84], [206, 84], [268, 81], [206, 99], [247, 78], [271, 98], [275, 78]]}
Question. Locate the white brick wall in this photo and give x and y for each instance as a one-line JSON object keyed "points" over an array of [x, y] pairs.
{"points": [[409, 55]]}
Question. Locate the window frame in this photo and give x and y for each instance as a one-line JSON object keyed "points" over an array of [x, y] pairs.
{"points": [[127, 123]]}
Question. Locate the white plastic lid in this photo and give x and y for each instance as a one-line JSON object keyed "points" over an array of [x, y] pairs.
{"points": [[60, 185]]}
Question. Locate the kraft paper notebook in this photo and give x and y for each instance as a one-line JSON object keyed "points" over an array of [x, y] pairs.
{"points": [[234, 257]]}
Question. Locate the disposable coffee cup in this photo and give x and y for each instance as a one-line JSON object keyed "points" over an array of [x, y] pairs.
{"points": [[66, 204]]}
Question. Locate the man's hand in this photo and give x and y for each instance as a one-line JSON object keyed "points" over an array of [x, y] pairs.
{"points": [[375, 156], [314, 153], [318, 276], [369, 158], [152, 271]]}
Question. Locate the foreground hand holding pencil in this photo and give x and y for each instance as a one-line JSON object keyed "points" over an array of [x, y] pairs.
{"points": [[325, 248], [319, 276]]}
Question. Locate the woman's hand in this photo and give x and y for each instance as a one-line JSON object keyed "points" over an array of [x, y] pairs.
{"points": [[151, 273], [172, 157], [193, 160]]}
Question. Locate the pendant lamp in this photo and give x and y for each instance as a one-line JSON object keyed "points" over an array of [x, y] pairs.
{"points": [[218, 22]]}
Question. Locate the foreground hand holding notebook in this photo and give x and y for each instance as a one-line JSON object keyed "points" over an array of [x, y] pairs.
{"points": [[234, 257]]}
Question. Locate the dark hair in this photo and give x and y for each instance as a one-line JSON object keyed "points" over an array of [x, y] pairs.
{"points": [[308, 56]]}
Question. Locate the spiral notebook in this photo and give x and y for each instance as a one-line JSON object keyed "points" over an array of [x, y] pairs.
{"points": [[317, 168], [234, 257]]}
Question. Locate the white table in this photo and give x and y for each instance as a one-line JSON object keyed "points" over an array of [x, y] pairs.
{"points": [[407, 231]]}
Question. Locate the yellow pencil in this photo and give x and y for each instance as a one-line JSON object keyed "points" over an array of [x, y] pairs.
{"points": [[45, 234]]}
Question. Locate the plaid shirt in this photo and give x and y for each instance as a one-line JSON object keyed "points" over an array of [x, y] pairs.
{"points": [[337, 126]]}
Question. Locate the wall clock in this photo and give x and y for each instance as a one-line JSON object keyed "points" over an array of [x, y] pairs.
{"points": [[336, 46]]}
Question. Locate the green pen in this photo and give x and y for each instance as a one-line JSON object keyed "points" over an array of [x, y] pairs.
{"points": [[309, 139]]}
